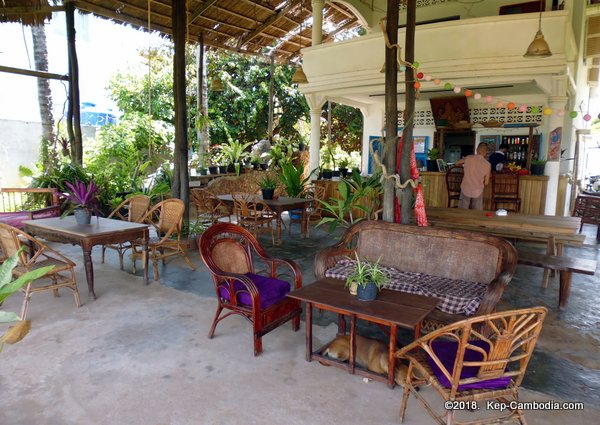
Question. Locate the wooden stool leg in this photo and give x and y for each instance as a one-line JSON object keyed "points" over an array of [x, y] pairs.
{"points": [[565, 287], [549, 251]]}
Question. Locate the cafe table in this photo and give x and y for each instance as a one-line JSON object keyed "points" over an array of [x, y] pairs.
{"points": [[99, 232], [278, 206]]}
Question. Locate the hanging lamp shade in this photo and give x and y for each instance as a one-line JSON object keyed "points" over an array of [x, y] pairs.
{"points": [[217, 84], [539, 47], [299, 76]]}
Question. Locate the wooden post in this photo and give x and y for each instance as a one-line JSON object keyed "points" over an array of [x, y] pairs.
{"points": [[391, 108], [73, 109], [180, 155], [409, 110], [271, 92]]}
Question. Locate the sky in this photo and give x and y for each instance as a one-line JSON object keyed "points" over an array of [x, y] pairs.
{"points": [[103, 48]]}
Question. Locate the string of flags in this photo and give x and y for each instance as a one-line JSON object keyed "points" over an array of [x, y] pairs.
{"points": [[498, 102]]}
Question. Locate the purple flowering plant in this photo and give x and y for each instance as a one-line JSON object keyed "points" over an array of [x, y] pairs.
{"points": [[81, 195]]}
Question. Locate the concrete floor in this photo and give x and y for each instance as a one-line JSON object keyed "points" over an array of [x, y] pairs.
{"points": [[139, 355]]}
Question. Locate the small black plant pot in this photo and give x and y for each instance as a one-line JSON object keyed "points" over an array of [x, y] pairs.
{"points": [[343, 172], [213, 169], [268, 193], [432, 165], [222, 169], [203, 171], [327, 174], [301, 147], [231, 168], [336, 173], [263, 166], [255, 166], [367, 292], [537, 169]]}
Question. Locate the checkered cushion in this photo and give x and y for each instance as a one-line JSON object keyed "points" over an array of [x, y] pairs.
{"points": [[457, 296]]}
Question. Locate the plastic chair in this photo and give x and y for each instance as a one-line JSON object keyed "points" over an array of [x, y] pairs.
{"points": [[505, 190], [133, 210], [36, 255], [454, 177], [478, 359], [167, 218], [230, 253]]}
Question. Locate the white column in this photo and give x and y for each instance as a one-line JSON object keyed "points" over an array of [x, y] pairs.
{"points": [[317, 27], [552, 170], [315, 137]]}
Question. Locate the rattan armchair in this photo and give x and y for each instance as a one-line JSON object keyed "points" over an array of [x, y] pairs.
{"points": [[478, 359], [249, 282], [209, 208], [253, 214], [34, 256], [167, 218], [132, 209]]}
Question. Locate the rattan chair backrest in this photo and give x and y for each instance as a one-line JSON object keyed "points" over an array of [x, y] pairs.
{"points": [[132, 209], [166, 217]]}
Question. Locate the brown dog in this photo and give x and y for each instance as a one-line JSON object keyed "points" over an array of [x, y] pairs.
{"points": [[371, 354]]}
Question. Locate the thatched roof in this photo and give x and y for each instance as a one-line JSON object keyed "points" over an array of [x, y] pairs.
{"points": [[247, 26], [26, 12]]}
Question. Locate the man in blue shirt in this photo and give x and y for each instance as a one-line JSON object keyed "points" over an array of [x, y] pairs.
{"points": [[498, 158]]}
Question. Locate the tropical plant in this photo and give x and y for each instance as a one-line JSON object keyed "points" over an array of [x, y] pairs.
{"points": [[235, 151], [339, 210], [366, 271], [291, 178], [81, 196], [433, 154], [343, 162], [268, 183], [8, 286], [538, 162]]}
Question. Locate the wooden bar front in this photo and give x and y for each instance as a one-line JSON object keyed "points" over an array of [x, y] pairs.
{"points": [[532, 190]]}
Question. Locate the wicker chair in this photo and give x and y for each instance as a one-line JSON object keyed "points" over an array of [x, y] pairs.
{"points": [[253, 214], [167, 218], [313, 211], [34, 256], [505, 190], [133, 210], [454, 177], [482, 358], [209, 208], [230, 253]]}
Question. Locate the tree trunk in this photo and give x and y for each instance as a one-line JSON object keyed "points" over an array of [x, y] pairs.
{"points": [[73, 112], [202, 105], [40, 55], [409, 111], [391, 109], [180, 155]]}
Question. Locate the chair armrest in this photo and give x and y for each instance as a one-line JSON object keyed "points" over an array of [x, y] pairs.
{"points": [[248, 284], [493, 294], [294, 267], [328, 257]]}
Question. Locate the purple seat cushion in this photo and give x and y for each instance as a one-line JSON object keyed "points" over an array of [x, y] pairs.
{"points": [[271, 290], [446, 352], [15, 219]]}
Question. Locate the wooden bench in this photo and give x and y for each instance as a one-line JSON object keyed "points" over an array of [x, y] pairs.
{"points": [[433, 253], [566, 266], [20, 204]]}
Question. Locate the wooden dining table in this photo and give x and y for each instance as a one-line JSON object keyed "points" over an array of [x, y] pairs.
{"points": [[99, 231], [278, 206], [555, 231]]}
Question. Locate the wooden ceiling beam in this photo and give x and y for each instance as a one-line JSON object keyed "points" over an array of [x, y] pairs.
{"points": [[25, 10], [121, 17], [195, 15], [270, 21], [340, 9]]}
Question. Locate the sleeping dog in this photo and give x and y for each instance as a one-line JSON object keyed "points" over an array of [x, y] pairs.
{"points": [[371, 354]]}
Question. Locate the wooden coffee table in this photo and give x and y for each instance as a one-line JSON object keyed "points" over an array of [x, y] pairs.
{"points": [[391, 308]]}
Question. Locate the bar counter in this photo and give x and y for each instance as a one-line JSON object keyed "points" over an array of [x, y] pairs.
{"points": [[532, 191]]}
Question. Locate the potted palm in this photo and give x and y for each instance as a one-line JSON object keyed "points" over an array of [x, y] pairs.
{"points": [[81, 199], [343, 167], [367, 279], [432, 155], [267, 186], [537, 167]]}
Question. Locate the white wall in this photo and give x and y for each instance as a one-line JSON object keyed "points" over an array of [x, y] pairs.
{"points": [[19, 146]]}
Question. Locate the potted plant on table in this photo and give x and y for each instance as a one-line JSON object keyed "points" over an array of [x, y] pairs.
{"points": [[82, 200], [267, 186], [432, 155], [537, 167], [367, 279]]}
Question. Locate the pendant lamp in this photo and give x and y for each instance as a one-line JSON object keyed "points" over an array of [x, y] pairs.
{"points": [[217, 84], [539, 47], [299, 76]]}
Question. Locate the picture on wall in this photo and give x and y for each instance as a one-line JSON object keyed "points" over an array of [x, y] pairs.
{"points": [[493, 142]]}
